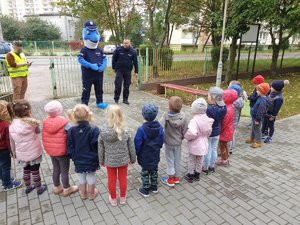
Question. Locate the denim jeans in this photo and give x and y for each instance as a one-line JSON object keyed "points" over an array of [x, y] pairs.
{"points": [[211, 156], [5, 165]]}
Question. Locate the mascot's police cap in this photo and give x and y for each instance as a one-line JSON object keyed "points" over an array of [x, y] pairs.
{"points": [[90, 25]]}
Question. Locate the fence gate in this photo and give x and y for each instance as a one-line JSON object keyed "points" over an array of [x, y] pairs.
{"points": [[66, 77], [6, 89]]}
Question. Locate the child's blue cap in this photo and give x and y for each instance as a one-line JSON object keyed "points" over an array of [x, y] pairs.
{"points": [[102, 105], [237, 88]]}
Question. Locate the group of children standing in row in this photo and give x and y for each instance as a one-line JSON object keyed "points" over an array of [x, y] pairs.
{"points": [[112, 145]]}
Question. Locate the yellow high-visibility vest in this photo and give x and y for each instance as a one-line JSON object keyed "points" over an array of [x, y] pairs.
{"points": [[21, 71]]}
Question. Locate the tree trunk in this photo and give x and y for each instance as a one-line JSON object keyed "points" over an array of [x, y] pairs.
{"points": [[276, 49], [232, 56], [164, 41]]}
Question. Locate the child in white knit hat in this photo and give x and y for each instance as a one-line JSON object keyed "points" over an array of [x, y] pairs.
{"points": [[199, 129], [54, 136]]}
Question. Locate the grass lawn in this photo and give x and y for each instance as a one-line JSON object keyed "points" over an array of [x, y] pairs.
{"points": [[291, 94]]}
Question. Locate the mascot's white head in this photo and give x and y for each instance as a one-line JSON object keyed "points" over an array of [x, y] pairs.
{"points": [[90, 35]]}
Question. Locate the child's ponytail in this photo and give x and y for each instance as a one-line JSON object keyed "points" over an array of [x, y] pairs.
{"points": [[19, 108], [10, 109]]}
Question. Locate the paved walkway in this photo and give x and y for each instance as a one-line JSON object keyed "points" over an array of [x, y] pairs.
{"points": [[259, 187]]}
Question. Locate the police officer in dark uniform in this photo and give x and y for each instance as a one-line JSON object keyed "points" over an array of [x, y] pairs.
{"points": [[93, 62], [124, 58]]}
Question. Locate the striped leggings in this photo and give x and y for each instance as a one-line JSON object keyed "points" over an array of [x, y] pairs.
{"points": [[35, 171]]}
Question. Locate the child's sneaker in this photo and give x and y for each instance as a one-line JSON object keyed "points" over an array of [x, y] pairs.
{"points": [[113, 202], [122, 200], [249, 141], [206, 172], [176, 180], [189, 178], [166, 180], [29, 189], [268, 140], [196, 176], [12, 179], [211, 169], [256, 145], [223, 162], [13, 185], [144, 192], [154, 189], [42, 189], [57, 190]]}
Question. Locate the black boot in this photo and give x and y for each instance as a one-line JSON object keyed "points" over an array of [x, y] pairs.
{"points": [[196, 176], [189, 178]]}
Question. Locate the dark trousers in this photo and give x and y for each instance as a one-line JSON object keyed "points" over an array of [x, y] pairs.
{"points": [[61, 165], [122, 76], [5, 166], [149, 178], [87, 86], [33, 170], [256, 131], [268, 126]]}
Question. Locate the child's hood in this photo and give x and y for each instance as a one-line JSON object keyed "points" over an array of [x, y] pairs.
{"points": [[52, 126], [230, 96], [152, 128], [23, 126], [239, 103], [176, 120]]}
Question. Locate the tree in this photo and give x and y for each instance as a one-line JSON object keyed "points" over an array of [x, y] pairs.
{"points": [[11, 28], [113, 15], [37, 29], [282, 18]]}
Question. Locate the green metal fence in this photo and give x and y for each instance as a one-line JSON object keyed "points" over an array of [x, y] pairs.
{"points": [[5, 83], [66, 77]]}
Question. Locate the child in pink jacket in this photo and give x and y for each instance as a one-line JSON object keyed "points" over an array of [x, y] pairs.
{"points": [[54, 137], [25, 144], [199, 129], [227, 128]]}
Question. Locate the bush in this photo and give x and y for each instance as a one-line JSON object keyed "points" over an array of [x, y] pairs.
{"points": [[142, 52], [75, 45], [215, 56]]}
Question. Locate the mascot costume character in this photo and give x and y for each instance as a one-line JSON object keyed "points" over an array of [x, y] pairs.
{"points": [[93, 62]]}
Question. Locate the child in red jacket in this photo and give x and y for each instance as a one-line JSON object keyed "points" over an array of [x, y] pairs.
{"points": [[54, 139], [227, 129], [8, 183]]}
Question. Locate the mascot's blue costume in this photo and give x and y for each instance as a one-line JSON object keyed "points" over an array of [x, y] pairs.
{"points": [[93, 63]]}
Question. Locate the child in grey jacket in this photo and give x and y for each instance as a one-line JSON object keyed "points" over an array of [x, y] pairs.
{"points": [[116, 151], [175, 125]]}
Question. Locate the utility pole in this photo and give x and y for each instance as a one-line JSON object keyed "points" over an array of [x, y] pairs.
{"points": [[220, 64], [1, 34]]}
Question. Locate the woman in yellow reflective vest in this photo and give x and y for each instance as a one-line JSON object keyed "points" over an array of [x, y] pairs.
{"points": [[17, 66]]}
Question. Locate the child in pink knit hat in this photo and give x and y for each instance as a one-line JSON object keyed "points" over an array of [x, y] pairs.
{"points": [[54, 136]]}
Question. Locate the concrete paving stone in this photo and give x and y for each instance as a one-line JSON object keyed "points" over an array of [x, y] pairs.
{"points": [[135, 220], [144, 203], [175, 202], [242, 203], [109, 218], [2, 218], [62, 220], [215, 216], [115, 210], [25, 222], [272, 208], [182, 219], [2, 207], [141, 214], [273, 223], [12, 210], [218, 210], [200, 215], [173, 210], [54, 198], [34, 204], [157, 207], [65, 200], [58, 209], [243, 220], [291, 212], [260, 215], [155, 217], [122, 219], [22, 202], [77, 201], [276, 218], [229, 218], [245, 213], [82, 213], [197, 221], [36, 216], [70, 210], [49, 218], [24, 213], [289, 219], [90, 204], [14, 220], [11, 199], [74, 220], [184, 210], [102, 206], [127, 210], [169, 218]]}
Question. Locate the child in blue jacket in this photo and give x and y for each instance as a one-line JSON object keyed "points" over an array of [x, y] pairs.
{"points": [[82, 147], [148, 141], [273, 110]]}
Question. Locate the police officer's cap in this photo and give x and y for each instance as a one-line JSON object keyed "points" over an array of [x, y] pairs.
{"points": [[90, 25]]}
